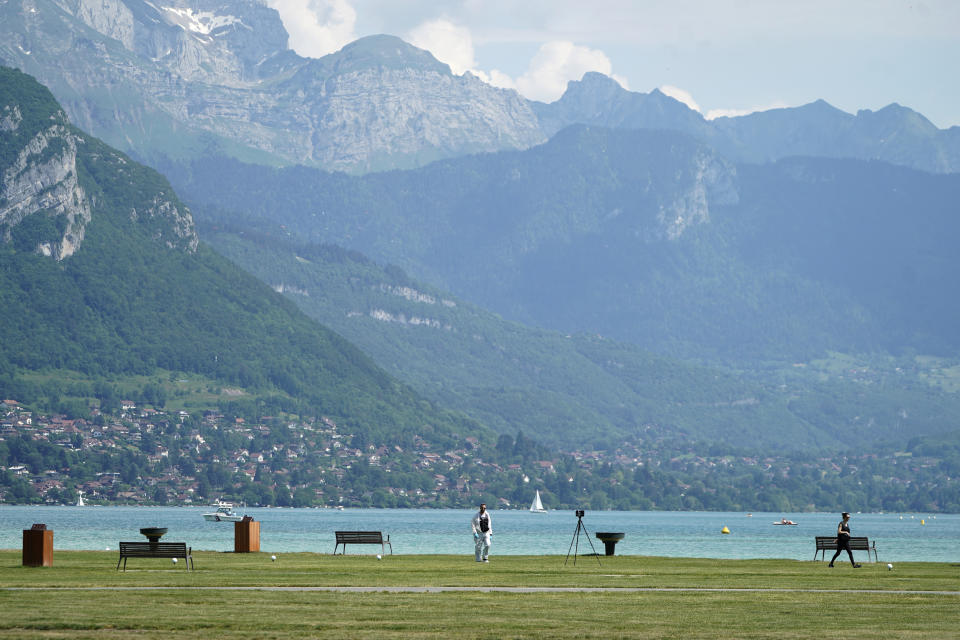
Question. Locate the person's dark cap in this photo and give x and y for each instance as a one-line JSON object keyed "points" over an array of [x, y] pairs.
{"points": [[845, 514]]}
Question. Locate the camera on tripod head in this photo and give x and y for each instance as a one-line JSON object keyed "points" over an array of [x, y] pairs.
{"points": [[576, 539]]}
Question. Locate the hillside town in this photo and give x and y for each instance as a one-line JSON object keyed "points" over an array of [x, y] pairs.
{"points": [[142, 455]]}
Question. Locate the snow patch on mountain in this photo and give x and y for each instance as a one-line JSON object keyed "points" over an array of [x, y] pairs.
{"points": [[202, 22]]}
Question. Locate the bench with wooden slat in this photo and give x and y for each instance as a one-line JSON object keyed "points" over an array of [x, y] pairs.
{"points": [[829, 543], [361, 537], [155, 550]]}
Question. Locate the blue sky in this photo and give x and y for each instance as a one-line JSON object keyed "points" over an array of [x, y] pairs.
{"points": [[722, 57]]}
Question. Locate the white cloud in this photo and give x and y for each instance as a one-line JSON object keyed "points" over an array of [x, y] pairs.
{"points": [[680, 95], [712, 114], [453, 45], [317, 27], [499, 79], [557, 63], [447, 42], [686, 98], [727, 113]]}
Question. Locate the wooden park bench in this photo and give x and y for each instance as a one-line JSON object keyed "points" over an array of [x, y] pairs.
{"points": [[829, 543], [155, 550], [361, 537]]}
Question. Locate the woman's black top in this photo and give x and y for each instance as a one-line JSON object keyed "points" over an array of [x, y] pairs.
{"points": [[843, 541]]}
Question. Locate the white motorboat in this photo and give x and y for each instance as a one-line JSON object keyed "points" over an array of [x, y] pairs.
{"points": [[537, 506], [223, 513]]}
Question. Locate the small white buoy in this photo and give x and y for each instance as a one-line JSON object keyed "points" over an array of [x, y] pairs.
{"points": [[379, 557], [273, 558], [174, 560], [889, 567]]}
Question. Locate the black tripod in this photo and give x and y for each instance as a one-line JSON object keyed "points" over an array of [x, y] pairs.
{"points": [[575, 542]]}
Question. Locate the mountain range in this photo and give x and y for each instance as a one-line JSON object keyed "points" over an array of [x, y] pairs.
{"points": [[644, 236], [183, 79], [647, 268]]}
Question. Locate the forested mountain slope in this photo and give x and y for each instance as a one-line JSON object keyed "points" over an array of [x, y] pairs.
{"points": [[647, 237], [136, 292], [584, 391]]}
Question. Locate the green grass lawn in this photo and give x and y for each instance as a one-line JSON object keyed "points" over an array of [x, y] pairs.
{"points": [[78, 598]]}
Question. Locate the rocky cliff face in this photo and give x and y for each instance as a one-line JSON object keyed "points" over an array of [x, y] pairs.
{"points": [[380, 117], [44, 206], [42, 181], [205, 40]]}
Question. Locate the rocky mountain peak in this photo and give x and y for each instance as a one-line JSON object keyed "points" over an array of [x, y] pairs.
{"points": [[380, 103], [382, 52], [895, 117], [593, 83], [599, 100]]}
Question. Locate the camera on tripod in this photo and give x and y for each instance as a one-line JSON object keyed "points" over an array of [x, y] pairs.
{"points": [[575, 543]]}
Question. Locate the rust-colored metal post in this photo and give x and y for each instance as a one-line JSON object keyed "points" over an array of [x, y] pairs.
{"points": [[38, 547], [246, 535]]}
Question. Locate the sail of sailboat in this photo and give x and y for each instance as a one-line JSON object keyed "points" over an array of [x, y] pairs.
{"points": [[537, 506]]}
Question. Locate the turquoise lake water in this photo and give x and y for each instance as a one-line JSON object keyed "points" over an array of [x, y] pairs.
{"points": [[898, 537]]}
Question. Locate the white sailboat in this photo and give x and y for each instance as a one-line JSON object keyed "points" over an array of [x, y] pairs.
{"points": [[80, 502], [537, 506]]}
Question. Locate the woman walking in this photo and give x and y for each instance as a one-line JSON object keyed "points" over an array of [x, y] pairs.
{"points": [[843, 540]]}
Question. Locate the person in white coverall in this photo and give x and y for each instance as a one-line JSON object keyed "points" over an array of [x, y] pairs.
{"points": [[482, 530]]}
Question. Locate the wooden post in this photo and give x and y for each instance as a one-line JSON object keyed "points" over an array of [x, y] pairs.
{"points": [[246, 535]]}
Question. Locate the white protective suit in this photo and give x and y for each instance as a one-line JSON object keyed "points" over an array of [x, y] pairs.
{"points": [[481, 535]]}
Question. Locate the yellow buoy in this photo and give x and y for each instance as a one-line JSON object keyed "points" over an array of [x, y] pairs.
{"points": [[923, 522], [724, 530]]}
